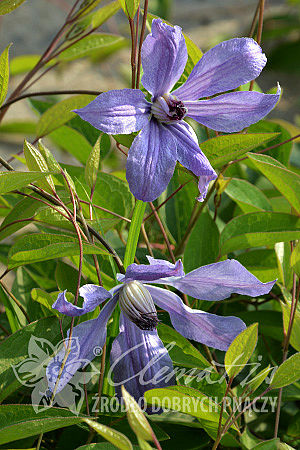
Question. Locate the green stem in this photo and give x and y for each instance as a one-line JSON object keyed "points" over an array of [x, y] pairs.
{"points": [[134, 232]]}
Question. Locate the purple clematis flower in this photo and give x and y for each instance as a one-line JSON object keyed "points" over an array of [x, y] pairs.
{"points": [[165, 137], [138, 357]]}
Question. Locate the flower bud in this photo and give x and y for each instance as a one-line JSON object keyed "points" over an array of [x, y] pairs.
{"points": [[136, 302]]}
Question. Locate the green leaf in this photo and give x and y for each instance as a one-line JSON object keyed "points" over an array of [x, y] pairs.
{"points": [[255, 382], [134, 232], [115, 437], [268, 445], [186, 400], [72, 141], [199, 252], [4, 73], [35, 161], [136, 419], [222, 149], [258, 229], [60, 113], [287, 373], [23, 63], [24, 209], [41, 247], [14, 349], [295, 259], [286, 181], [129, 7], [184, 352], [49, 158], [261, 263], [247, 196], [10, 313], [6, 6], [92, 44], [21, 421], [240, 350], [92, 164], [283, 255], [45, 299], [9, 181], [101, 15], [18, 126]]}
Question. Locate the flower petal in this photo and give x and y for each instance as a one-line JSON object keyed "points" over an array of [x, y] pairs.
{"points": [[190, 155], [164, 56], [117, 112], [209, 329], [139, 360], [219, 280], [234, 111], [87, 339], [158, 268], [224, 67], [93, 296], [151, 161]]}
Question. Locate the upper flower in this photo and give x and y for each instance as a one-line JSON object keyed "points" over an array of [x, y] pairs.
{"points": [[138, 357], [165, 137]]}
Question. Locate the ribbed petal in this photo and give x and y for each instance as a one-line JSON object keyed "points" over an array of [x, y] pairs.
{"points": [[190, 155], [93, 296], [156, 269], [215, 331], [234, 111], [164, 56], [139, 360], [224, 67], [151, 161], [87, 339], [219, 280], [117, 112]]}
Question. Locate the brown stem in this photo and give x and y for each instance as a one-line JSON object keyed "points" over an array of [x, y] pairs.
{"points": [[259, 29], [167, 199], [133, 47], [145, 236], [138, 71], [252, 29], [162, 229]]}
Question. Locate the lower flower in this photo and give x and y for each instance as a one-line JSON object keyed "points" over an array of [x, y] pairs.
{"points": [[138, 358]]}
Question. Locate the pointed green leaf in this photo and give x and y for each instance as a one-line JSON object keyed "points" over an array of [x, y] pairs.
{"points": [[115, 437], [286, 311], [259, 229], [6, 6], [136, 419], [21, 421], [9, 181], [222, 149], [240, 350], [4, 73], [287, 373], [286, 181], [255, 382], [92, 164], [35, 161], [60, 113], [295, 259], [101, 15], [247, 196], [42, 247], [130, 7]]}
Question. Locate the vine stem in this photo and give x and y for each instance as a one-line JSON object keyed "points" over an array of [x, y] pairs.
{"points": [[259, 30], [143, 29], [162, 229]]}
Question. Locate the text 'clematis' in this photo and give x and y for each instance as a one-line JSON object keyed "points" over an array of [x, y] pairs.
{"points": [[138, 357], [165, 137]]}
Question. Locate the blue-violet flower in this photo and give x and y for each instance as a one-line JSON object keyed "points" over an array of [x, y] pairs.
{"points": [[165, 137], [138, 357]]}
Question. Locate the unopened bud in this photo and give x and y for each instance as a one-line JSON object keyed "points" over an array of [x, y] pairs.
{"points": [[136, 302]]}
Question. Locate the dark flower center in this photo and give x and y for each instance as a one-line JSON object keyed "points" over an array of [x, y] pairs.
{"points": [[168, 109]]}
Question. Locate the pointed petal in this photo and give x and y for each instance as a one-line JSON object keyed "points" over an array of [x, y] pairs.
{"points": [[209, 329], [151, 161], [164, 56], [93, 296], [157, 269], [139, 360], [117, 112], [224, 67], [232, 112], [87, 339], [190, 156], [219, 280]]}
